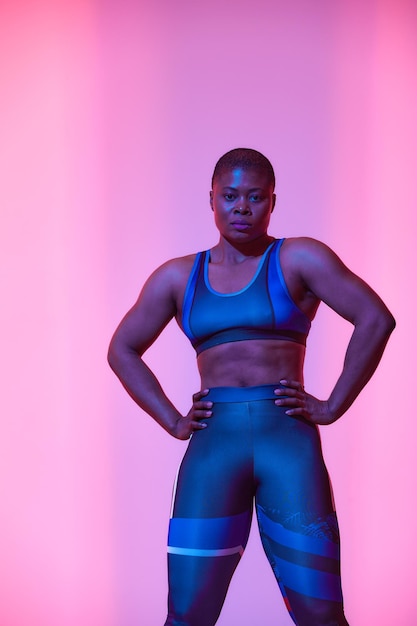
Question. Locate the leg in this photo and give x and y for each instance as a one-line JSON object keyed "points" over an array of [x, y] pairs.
{"points": [[211, 519], [296, 518], [199, 576], [307, 568]]}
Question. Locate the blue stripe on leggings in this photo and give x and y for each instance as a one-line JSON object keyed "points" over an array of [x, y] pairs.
{"points": [[298, 541], [312, 583], [197, 552], [307, 578], [217, 533]]}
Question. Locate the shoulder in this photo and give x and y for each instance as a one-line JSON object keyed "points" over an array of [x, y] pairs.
{"points": [[306, 246], [177, 267], [315, 267], [327, 278], [172, 274], [307, 254]]}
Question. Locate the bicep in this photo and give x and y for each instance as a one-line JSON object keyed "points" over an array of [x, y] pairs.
{"points": [[336, 285], [152, 311]]}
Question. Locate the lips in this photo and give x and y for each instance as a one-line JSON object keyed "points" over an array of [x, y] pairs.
{"points": [[240, 225]]}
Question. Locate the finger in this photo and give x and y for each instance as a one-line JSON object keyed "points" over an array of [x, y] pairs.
{"points": [[198, 425], [200, 394], [199, 405], [288, 391], [293, 401], [202, 414], [298, 411], [290, 394], [294, 384]]}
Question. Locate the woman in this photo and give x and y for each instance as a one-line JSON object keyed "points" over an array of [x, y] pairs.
{"points": [[247, 305]]}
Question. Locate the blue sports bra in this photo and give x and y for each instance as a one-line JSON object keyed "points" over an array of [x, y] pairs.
{"points": [[263, 309]]}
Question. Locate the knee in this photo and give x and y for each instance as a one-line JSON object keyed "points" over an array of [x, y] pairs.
{"points": [[315, 620], [319, 613], [172, 621], [191, 616], [323, 619], [178, 618], [184, 620]]}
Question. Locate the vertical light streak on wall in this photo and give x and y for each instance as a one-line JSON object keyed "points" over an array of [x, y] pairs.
{"points": [[56, 558], [139, 207], [373, 197], [389, 482], [345, 174]]}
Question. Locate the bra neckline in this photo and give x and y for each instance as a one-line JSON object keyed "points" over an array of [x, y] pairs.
{"points": [[246, 287]]}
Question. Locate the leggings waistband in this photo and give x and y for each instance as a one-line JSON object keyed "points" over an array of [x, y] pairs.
{"points": [[242, 394]]}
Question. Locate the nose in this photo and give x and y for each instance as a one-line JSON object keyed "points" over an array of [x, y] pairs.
{"points": [[242, 208]]}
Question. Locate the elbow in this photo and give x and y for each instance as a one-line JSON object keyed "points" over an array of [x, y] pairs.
{"points": [[379, 322], [385, 323], [115, 354], [111, 356], [119, 354], [393, 323], [389, 322]]}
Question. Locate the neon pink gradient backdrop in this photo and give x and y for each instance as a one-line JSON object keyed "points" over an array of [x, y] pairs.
{"points": [[113, 115]]}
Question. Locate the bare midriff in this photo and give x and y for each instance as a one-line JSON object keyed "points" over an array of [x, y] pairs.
{"points": [[251, 363]]}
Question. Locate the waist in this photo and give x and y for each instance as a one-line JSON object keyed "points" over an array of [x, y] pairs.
{"points": [[242, 394], [251, 363]]}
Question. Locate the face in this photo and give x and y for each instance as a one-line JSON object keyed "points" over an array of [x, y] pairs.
{"points": [[242, 201]]}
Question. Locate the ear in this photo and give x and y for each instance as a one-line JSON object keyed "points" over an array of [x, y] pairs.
{"points": [[274, 199], [211, 200]]}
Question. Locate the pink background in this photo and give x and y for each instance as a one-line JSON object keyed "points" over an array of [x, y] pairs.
{"points": [[113, 113]]}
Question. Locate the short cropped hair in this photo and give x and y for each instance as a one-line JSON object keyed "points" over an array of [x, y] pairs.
{"points": [[245, 159]]}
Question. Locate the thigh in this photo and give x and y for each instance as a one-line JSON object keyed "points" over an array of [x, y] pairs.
{"points": [[211, 518], [289, 467], [215, 476], [296, 517]]}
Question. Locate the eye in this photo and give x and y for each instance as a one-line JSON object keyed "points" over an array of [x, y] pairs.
{"points": [[255, 197], [229, 197]]}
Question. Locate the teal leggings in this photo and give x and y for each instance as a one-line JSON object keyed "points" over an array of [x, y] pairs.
{"points": [[252, 452]]}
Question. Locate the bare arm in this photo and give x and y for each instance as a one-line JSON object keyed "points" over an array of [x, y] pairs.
{"points": [[332, 282], [140, 327]]}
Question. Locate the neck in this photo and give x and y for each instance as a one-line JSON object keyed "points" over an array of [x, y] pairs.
{"points": [[240, 251]]}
